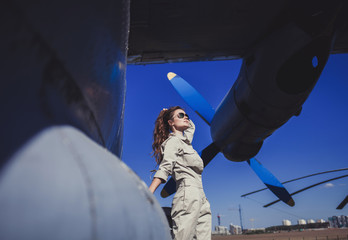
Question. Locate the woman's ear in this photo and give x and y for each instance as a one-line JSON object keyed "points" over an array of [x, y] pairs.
{"points": [[170, 122]]}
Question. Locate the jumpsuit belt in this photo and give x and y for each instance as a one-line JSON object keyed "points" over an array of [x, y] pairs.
{"points": [[188, 183]]}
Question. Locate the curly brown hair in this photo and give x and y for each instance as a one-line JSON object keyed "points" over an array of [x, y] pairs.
{"points": [[162, 131]]}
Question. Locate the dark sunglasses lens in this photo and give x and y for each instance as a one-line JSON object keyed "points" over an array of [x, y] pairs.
{"points": [[182, 115]]}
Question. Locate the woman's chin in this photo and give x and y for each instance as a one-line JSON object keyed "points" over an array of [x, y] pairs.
{"points": [[186, 127]]}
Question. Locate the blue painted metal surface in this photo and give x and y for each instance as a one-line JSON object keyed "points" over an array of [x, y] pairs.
{"points": [[61, 66]]}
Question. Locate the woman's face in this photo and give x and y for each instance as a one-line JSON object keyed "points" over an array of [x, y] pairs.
{"points": [[180, 120]]}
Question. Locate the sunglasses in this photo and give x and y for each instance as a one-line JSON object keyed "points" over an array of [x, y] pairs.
{"points": [[182, 115]]}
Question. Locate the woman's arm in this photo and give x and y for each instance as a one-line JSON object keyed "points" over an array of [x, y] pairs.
{"points": [[154, 185], [170, 156], [190, 131]]}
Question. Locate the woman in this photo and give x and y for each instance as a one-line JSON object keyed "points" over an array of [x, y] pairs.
{"points": [[176, 157]]}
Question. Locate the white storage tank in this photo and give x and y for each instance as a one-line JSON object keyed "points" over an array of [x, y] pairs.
{"points": [[301, 222], [286, 222]]}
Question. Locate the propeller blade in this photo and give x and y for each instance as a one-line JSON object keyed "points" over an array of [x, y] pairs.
{"points": [[311, 186], [343, 203], [192, 97], [271, 182], [169, 188], [295, 179], [207, 155]]}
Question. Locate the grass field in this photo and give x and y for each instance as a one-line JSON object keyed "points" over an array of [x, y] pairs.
{"points": [[320, 234]]}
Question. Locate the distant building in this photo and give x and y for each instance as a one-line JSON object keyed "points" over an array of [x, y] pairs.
{"points": [[235, 229], [254, 230], [320, 221], [333, 221], [301, 222], [221, 230], [286, 222], [298, 227], [309, 221], [344, 221], [338, 221]]}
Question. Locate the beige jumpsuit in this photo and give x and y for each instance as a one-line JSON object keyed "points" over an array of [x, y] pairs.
{"points": [[190, 208]]}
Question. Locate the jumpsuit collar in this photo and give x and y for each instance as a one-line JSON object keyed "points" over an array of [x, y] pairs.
{"points": [[182, 137]]}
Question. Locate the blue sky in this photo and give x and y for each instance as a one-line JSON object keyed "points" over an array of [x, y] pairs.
{"points": [[313, 142]]}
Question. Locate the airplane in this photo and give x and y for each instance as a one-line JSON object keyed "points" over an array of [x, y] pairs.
{"points": [[63, 98], [275, 79]]}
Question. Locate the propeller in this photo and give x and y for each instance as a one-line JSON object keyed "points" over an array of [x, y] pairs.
{"points": [[196, 101]]}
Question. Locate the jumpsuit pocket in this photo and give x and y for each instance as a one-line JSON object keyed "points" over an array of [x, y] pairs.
{"points": [[192, 199], [193, 160], [178, 204]]}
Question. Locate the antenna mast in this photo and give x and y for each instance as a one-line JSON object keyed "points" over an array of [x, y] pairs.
{"points": [[240, 217]]}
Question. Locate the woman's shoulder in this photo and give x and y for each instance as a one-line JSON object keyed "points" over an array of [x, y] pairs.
{"points": [[171, 140]]}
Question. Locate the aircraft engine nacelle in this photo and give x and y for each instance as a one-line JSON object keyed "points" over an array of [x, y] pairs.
{"points": [[275, 80]]}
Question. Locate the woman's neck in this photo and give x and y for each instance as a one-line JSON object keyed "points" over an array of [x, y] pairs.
{"points": [[177, 132]]}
